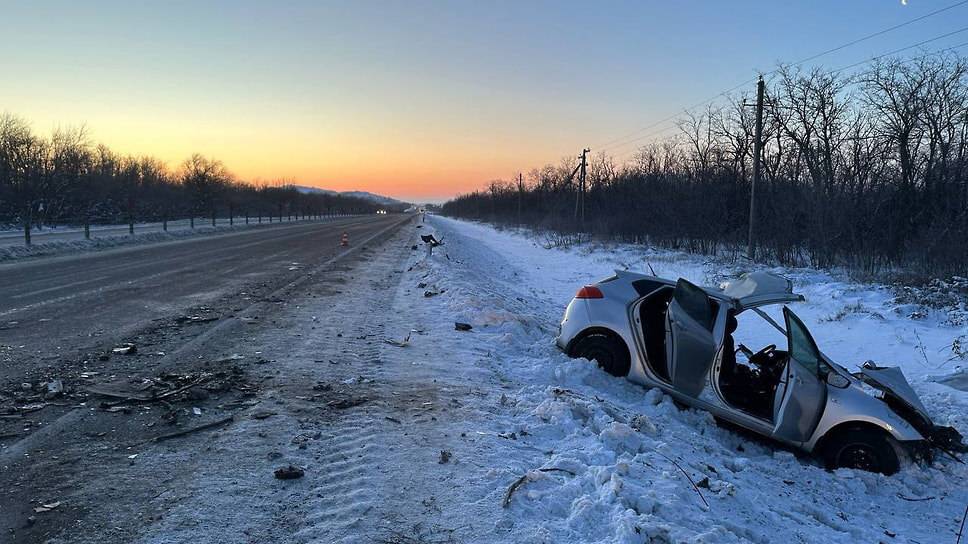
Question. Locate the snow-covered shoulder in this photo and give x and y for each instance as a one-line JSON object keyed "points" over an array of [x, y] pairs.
{"points": [[579, 456]]}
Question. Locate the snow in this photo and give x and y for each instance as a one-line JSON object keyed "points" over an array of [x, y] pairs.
{"points": [[592, 458], [623, 442]]}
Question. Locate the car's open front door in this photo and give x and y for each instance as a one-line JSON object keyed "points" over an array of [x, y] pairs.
{"points": [[802, 394], [690, 344]]}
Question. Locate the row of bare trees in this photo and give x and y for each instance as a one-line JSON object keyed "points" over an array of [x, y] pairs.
{"points": [[67, 179], [865, 170]]}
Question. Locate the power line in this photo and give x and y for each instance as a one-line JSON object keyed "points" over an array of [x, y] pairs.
{"points": [[872, 59], [627, 141], [896, 51], [611, 143], [879, 33], [619, 142]]}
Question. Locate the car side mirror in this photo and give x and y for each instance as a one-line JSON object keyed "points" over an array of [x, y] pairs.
{"points": [[836, 380]]}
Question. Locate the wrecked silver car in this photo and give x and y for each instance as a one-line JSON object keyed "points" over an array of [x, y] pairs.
{"points": [[680, 337]]}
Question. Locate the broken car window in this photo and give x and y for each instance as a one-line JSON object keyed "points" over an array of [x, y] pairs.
{"points": [[695, 303], [802, 346]]}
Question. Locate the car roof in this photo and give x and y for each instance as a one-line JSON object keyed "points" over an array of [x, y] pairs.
{"points": [[760, 288], [749, 290]]}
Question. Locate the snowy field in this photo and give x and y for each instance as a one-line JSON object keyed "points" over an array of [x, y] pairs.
{"points": [[615, 446]]}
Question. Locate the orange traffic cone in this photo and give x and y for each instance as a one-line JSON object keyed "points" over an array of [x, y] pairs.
{"points": [[345, 241]]}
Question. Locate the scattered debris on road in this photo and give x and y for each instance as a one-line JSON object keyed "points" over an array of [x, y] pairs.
{"points": [[168, 386], [444, 457], [47, 507], [231, 358], [343, 404], [126, 349], [400, 343], [263, 414], [290, 472], [27, 398], [55, 388], [529, 477], [196, 318], [191, 430]]}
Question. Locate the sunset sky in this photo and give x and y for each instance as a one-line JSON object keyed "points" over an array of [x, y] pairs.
{"points": [[416, 100]]}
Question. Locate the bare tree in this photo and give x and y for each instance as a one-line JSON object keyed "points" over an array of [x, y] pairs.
{"points": [[204, 179], [866, 170]]}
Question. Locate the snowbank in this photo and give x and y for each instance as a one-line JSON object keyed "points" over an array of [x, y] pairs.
{"points": [[629, 465]]}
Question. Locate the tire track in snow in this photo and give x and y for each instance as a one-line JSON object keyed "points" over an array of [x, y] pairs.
{"points": [[342, 321], [343, 492]]}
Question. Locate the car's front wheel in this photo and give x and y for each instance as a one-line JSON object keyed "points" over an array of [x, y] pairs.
{"points": [[606, 350], [863, 449]]}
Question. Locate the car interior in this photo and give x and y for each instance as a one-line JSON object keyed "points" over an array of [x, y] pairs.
{"points": [[748, 380], [652, 315]]}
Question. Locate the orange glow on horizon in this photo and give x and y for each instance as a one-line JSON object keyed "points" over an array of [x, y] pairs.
{"points": [[383, 162]]}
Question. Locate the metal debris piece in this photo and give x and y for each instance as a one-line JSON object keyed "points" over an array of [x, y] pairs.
{"points": [[55, 388], [126, 349], [46, 507]]}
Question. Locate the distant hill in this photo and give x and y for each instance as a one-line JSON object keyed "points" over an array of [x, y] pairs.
{"points": [[313, 190], [366, 195], [379, 199]]}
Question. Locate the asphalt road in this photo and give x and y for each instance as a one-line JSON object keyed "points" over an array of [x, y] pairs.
{"points": [[60, 317], [56, 308]]}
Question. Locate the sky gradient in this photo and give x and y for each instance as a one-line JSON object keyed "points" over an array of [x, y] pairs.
{"points": [[416, 100]]}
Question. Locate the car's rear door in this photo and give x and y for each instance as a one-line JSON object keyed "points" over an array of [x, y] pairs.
{"points": [[690, 344], [802, 394]]}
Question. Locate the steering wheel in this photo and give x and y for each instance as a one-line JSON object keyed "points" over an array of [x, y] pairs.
{"points": [[762, 353]]}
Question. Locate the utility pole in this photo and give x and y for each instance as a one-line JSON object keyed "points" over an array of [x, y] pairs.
{"points": [[580, 198], [520, 195], [757, 152]]}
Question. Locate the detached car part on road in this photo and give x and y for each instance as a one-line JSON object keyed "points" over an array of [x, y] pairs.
{"points": [[679, 337]]}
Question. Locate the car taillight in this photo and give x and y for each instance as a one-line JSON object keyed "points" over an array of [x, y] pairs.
{"points": [[589, 291]]}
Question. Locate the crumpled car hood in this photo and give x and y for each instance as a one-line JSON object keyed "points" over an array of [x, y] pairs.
{"points": [[891, 380]]}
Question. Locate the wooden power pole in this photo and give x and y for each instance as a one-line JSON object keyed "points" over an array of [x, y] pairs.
{"points": [[520, 195], [580, 198], [757, 152]]}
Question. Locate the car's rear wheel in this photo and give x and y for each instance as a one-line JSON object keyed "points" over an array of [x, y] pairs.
{"points": [[608, 351], [863, 449]]}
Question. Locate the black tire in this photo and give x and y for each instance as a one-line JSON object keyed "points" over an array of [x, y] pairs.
{"points": [[863, 449], [607, 351]]}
